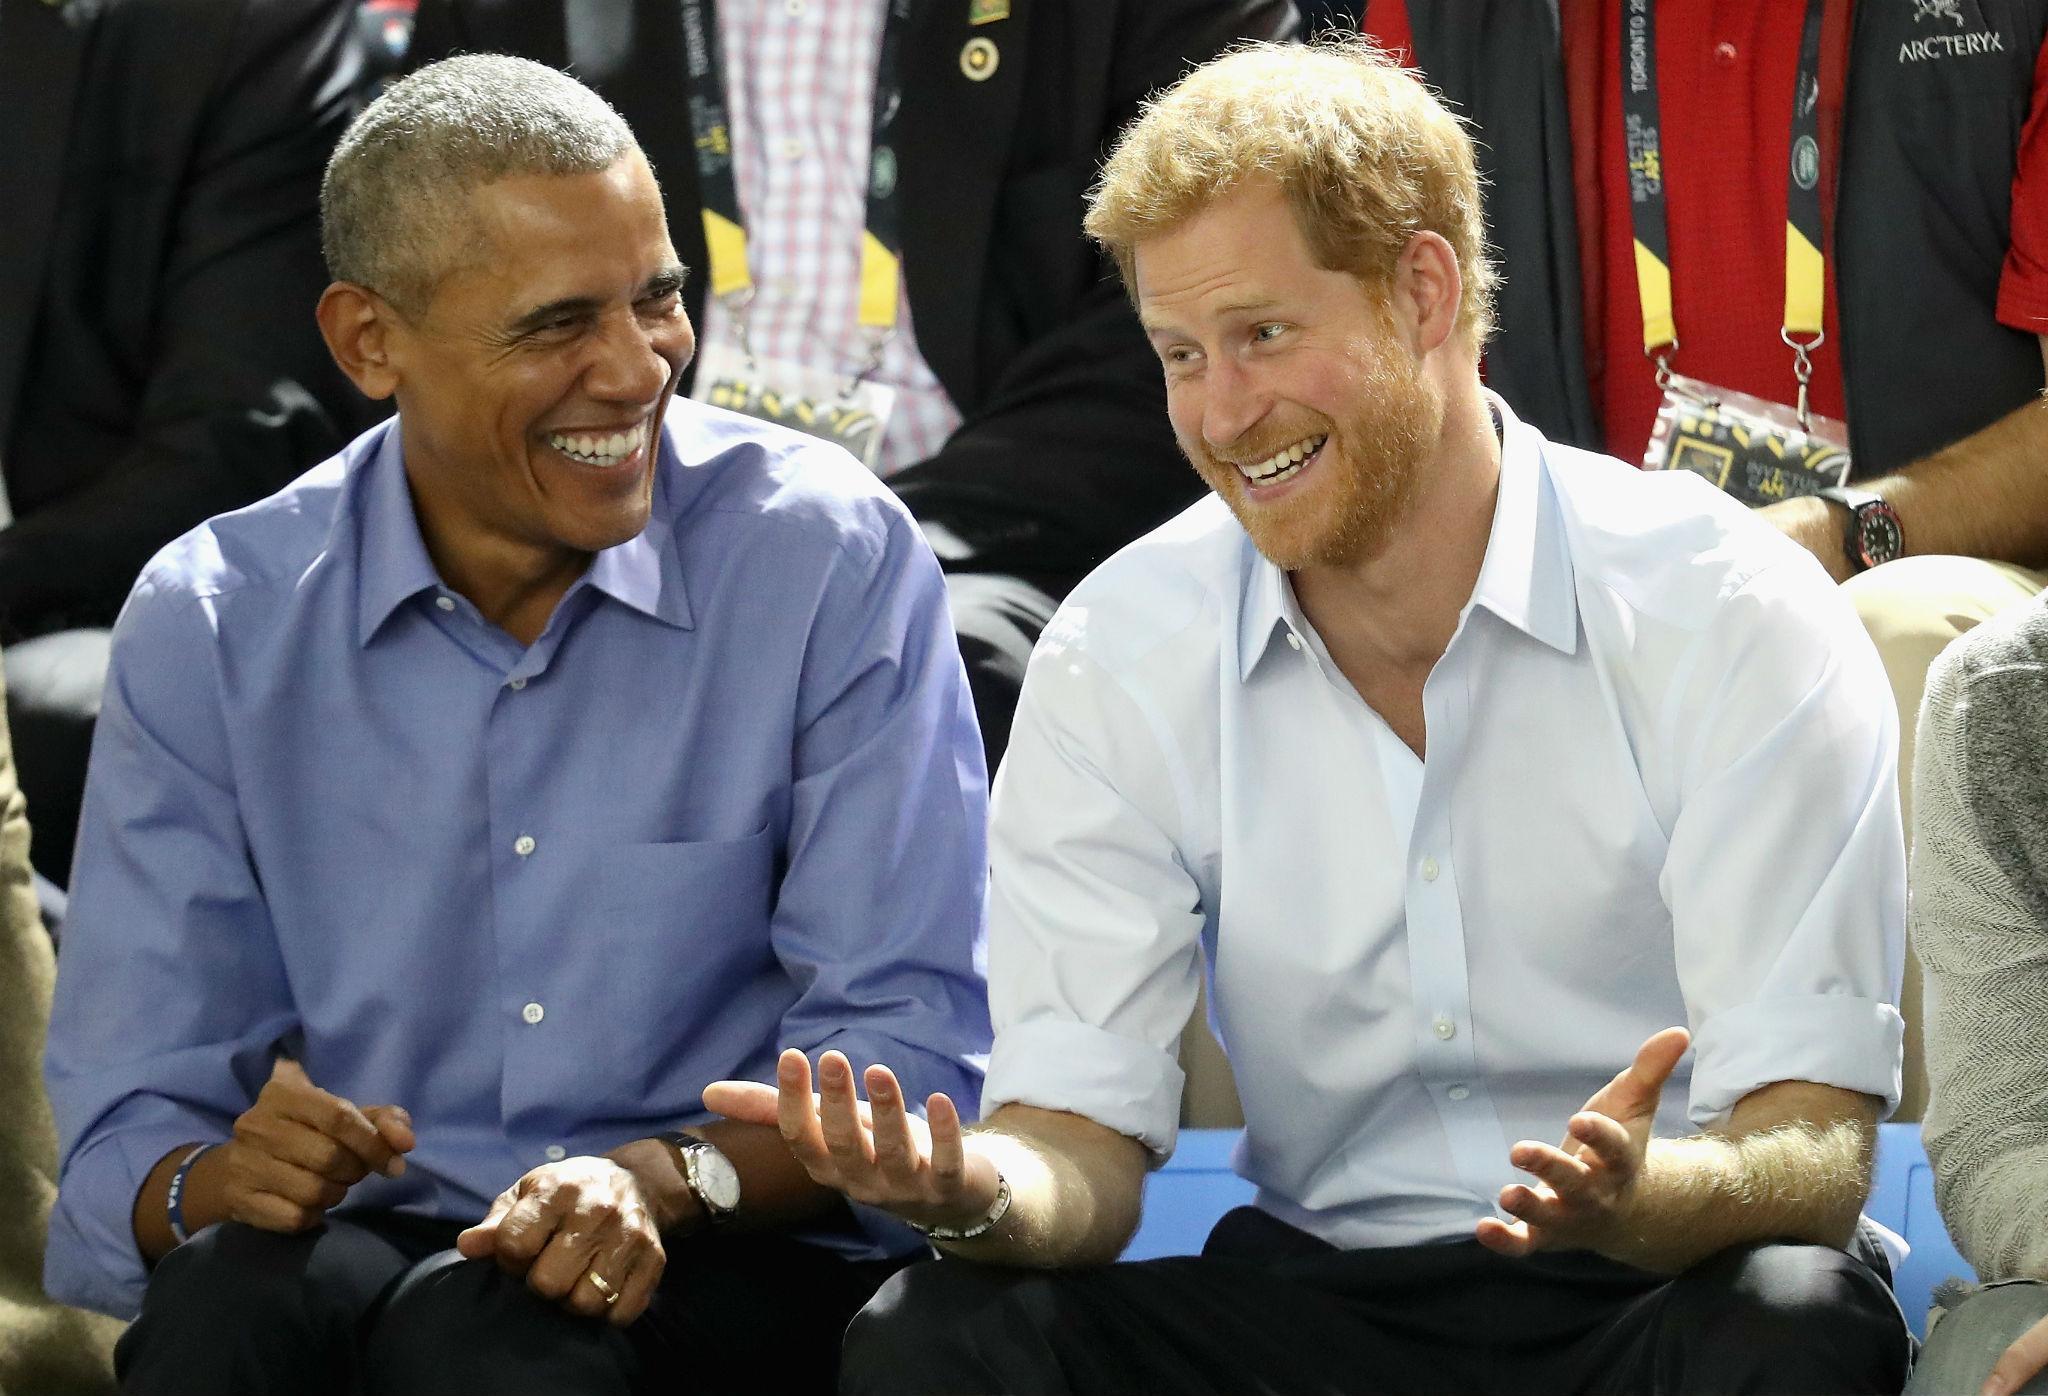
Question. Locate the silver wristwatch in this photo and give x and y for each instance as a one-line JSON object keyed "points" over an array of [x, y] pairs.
{"points": [[709, 1175]]}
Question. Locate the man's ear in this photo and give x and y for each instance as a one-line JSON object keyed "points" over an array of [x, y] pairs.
{"points": [[357, 324], [1430, 288]]}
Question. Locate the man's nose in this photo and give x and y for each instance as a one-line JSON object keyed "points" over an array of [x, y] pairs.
{"points": [[1232, 405], [633, 361]]}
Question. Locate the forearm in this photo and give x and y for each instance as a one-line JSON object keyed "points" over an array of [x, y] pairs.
{"points": [[1703, 1194], [775, 1191], [1984, 496], [205, 1201], [1075, 1189]]}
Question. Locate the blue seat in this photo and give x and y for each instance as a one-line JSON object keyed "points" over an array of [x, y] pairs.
{"points": [[1184, 1199]]}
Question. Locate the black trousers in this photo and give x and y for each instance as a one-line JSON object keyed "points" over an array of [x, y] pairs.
{"points": [[378, 1304], [1267, 1308]]}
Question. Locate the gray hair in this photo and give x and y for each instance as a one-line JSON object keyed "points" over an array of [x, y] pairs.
{"points": [[396, 193]]}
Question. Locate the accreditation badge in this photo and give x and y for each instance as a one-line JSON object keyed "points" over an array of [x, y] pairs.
{"points": [[1758, 451], [815, 401]]}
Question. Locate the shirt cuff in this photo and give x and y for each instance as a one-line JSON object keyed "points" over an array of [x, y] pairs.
{"points": [[1853, 1044], [1130, 1087], [92, 1260]]}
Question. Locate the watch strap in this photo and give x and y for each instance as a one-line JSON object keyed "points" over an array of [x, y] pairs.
{"points": [[997, 1210]]}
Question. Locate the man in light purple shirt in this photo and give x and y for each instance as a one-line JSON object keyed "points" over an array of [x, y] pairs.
{"points": [[459, 812]]}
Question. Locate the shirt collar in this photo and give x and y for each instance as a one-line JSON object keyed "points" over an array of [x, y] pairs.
{"points": [[643, 572], [1526, 578]]}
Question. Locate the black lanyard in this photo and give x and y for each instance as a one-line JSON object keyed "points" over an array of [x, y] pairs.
{"points": [[725, 228], [1805, 275]]}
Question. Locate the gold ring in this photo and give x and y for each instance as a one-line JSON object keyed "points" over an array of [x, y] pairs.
{"points": [[611, 1296]]}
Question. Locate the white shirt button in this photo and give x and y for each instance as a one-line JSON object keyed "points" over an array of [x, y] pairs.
{"points": [[533, 1013], [1293, 640], [446, 603], [1429, 869], [523, 845], [516, 685], [1458, 1092], [556, 1153], [793, 8], [792, 150], [1445, 1028]]}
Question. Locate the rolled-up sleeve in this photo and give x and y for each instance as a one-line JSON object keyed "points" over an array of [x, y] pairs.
{"points": [[145, 1052], [1094, 920], [880, 914], [1786, 870]]}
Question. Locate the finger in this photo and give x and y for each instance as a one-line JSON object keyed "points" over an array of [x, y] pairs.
{"points": [[1505, 1238], [948, 1147], [394, 1125], [796, 1111], [523, 1233], [1561, 1171], [1603, 1143], [2018, 1363], [253, 1171], [269, 1212], [286, 1071], [1538, 1209], [480, 1240], [839, 1116], [584, 1233], [747, 1101], [898, 1154], [301, 1146], [340, 1121], [642, 1279]]}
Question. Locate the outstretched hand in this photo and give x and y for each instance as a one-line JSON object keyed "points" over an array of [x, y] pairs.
{"points": [[1584, 1186], [875, 1152]]}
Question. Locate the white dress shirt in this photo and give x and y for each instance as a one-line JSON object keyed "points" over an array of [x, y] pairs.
{"points": [[1660, 788]]}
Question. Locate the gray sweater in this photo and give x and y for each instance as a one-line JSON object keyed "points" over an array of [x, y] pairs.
{"points": [[1979, 922]]}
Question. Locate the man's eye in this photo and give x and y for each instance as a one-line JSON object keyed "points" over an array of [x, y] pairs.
{"points": [[1268, 332]]}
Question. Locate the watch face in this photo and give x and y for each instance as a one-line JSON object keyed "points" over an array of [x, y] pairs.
{"points": [[1878, 537], [718, 1182]]}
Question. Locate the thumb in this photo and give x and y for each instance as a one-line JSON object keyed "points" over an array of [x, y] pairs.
{"points": [[394, 1125], [287, 1071], [482, 1239], [1657, 1058]]}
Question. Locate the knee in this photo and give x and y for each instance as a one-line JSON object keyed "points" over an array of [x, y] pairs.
{"points": [[917, 1333], [1792, 1318], [453, 1324], [1966, 1343], [234, 1274]]}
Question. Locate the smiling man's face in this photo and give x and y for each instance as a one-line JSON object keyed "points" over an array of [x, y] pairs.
{"points": [[531, 387], [1289, 385]]}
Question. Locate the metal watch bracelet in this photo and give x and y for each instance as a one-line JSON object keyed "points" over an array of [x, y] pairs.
{"points": [[996, 1212]]}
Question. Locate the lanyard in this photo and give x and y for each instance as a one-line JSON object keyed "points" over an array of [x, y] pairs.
{"points": [[725, 229], [1805, 276]]}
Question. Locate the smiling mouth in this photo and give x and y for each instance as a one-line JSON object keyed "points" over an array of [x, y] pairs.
{"points": [[605, 449], [1283, 464]]}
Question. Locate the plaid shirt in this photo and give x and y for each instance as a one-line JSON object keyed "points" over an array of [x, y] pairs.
{"points": [[800, 79]]}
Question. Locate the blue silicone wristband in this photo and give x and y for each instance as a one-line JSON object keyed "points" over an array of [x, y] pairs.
{"points": [[174, 1201]]}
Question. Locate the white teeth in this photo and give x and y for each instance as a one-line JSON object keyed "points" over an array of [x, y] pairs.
{"points": [[1282, 464], [596, 450]]}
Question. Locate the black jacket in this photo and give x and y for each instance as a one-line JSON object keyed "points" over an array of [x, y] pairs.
{"points": [[159, 264], [1065, 453], [1933, 109]]}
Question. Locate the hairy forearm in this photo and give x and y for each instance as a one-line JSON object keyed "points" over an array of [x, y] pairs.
{"points": [[1700, 1195], [1984, 496], [1075, 1188]]}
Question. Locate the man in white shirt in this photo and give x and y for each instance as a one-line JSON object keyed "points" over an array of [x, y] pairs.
{"points": [[1467, 764]]}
